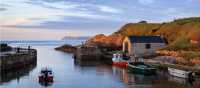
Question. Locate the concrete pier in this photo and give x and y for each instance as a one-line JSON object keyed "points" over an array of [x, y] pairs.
{"points": [[87, 54], [18, 57]]}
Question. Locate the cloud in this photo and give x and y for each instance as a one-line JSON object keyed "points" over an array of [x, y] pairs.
{"points": [[146, 2], [76, 9], [32, 34], [91, 14], [3, 9], [72, 23], [109, 9], [54, 5], [13, 22]]}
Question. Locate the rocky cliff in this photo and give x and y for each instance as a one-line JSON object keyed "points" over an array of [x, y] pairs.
{"points": [[67, 48], [181, 34], [109, 42]]}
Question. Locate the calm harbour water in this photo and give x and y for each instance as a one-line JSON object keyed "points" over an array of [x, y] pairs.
{"points": [[69, 75]]}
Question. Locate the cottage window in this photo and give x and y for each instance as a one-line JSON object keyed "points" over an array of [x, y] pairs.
{"points": [[148, 46]]}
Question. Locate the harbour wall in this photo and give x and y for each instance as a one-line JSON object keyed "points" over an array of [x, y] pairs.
{"points": [[21, 58], [91, 55]]}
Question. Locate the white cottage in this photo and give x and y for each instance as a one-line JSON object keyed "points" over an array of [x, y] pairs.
{"points": [[139, 46]]}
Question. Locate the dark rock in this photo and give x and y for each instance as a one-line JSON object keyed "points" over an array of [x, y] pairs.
{"points": [[5, 47], [66, 48]]}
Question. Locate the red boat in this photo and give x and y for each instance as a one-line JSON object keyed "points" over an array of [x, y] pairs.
{"points": [[120, 60], [46, 75]]}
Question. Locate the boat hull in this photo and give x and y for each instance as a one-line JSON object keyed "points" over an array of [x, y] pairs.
{"points": [[49, 78], [139, 70], [179, 73], [121, 64]]}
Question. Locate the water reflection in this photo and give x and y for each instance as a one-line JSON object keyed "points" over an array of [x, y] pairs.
{"points": [[46, 83], [86, 63], [10, 75], [69, 74], [131, 79], [98, 66], [162, 78], [178, 80]]}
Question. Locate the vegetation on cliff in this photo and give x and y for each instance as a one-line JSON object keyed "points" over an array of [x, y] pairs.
{"points": [[181, 34], [111, 42]]}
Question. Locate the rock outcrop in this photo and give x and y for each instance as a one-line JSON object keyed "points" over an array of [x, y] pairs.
{"points": [[109, 42], [67, 48]]}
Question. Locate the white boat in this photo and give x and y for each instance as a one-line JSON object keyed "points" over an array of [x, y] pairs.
{"points": [[119, 60], [179, 73]]}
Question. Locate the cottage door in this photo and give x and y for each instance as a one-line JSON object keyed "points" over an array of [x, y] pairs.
{"points": [[126, 47]]}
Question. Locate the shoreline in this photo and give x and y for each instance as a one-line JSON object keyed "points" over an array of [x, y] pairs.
{"points": [[73, 50]]}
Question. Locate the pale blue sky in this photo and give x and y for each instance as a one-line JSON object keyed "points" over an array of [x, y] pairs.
{"points": [[53, 19]]}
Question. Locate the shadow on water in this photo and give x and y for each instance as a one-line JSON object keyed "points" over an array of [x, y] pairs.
{"points": [[133, 80], [167, 81], [45, 83], [10, 75], [86, 63], [99, 66], [160, 80]]}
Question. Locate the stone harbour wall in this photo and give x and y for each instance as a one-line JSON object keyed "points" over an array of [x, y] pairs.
{"points": [[19, 59]]}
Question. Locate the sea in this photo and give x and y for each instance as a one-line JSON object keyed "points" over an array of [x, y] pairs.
{"points": [[68, 74]]}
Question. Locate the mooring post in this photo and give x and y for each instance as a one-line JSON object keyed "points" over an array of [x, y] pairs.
{"points": [[18, 49], [29, 48]]}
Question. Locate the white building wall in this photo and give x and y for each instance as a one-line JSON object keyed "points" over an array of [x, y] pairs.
{"points": [[139, 49], [129, 45]]}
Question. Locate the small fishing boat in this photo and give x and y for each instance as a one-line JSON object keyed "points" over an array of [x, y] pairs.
{"points": [[141, 68], [179, 72], [46, 75], [120, 60]]}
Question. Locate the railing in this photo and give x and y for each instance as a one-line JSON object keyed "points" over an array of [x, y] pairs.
{"points": [[22, 50]]}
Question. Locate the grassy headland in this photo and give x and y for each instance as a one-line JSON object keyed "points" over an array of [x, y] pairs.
{"points": [[182, 36], [179, 33]]}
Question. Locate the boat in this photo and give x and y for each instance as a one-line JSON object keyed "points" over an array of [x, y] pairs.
{"points": [[120, 60], [179, 73], [46, 75], [141, 68]]}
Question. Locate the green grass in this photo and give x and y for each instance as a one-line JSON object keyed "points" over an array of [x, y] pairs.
{"points": [[178, 32], [190, 54]]}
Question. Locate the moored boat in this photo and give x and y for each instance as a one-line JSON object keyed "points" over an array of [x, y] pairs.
{"points": [[46, 75], [179, 72], [120, 60], [141, 68]]}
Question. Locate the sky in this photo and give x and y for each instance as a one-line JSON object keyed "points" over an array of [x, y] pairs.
{"points": [[54, 19]]}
